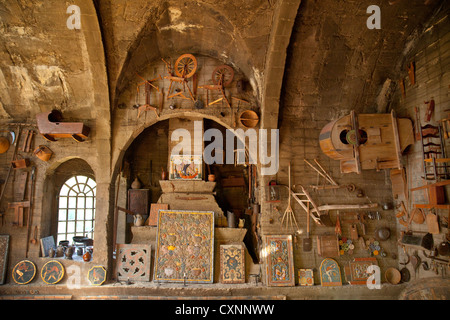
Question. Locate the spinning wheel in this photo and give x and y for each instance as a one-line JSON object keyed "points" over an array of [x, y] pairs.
{"points": [[186, 66], [223, 75]]}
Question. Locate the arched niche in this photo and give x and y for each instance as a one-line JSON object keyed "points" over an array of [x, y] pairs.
{"points": [[55, 177], [146, 154]]}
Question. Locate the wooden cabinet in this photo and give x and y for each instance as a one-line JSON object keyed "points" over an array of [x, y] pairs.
{"points": [[139, 201]]}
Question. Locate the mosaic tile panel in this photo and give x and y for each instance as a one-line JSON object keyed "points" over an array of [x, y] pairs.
{"points": [[232, 263], [279, 261], [185, 247], [330, 273], [133, 262]]}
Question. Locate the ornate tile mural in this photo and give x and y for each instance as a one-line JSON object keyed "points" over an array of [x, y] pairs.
{"points": [[185, 246], [330, 273], [232, 263], [279, 261], [133, 262]]}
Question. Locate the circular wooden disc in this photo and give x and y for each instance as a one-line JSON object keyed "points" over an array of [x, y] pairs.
{"points": [[186, 66]]}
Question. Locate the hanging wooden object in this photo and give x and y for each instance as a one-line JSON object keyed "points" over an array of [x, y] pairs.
{"points": [[367, 141], [51, 127]]}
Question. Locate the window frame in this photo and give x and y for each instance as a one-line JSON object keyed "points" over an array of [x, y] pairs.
{"points": [[79, 192]]}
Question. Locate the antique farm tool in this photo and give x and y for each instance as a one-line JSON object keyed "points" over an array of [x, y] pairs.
{"points": [[222, 76], [317, 217], [307, 242], [289, 213], [148, 85], [18, 211], [184, 68], [30, 212]]}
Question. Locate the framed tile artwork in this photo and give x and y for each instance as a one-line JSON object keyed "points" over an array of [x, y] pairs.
{"points": [[330, 273], [306, 277], [185, 246], [186, 167], [232, 263], [356, 272], [4, 249], [133, 262], [279, 261]]}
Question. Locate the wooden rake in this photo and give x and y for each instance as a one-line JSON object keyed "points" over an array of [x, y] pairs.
{"points": [[289, 214]]}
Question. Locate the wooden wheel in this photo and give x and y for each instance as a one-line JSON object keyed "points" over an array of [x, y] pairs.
{"points": [[223, 75], [186, 66]]}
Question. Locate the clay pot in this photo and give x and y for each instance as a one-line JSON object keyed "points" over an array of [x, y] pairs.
{"points": [[241, 223], [51, 252], [87, 257], [136, 184], [138, 220], [60, 251], [69, 253]]}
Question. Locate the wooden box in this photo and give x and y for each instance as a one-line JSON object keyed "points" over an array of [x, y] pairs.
{"points": [[328, 246]]}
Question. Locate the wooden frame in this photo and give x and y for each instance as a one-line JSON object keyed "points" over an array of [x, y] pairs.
{"points": [[279, 261]]}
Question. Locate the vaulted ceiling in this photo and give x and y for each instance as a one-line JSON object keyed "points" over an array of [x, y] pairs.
{"points": [[332, 57]]}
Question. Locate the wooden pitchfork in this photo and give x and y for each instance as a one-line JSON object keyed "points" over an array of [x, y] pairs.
{"points": [[289, 214]]}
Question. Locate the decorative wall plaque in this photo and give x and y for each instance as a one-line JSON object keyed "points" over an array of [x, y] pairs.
{"points": [[52, 272], [97, 275], [186, 167], [133, 262], [24, 272], [185, 246], [330, 273], [4, 248], [306, 277], [279, 261], [356, 272], [232, 263]]}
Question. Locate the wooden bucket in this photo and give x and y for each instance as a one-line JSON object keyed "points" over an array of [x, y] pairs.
{"points": [[43, 153], [20, 163]]}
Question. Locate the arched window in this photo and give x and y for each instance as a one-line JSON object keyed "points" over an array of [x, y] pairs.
{"points": [[76, 208]]}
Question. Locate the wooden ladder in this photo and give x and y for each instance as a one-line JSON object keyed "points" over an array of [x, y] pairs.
{"points": [[303, 203]]}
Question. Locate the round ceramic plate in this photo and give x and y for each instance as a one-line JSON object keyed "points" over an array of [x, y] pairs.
{"points": [[52, 272], [24, 272]]}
